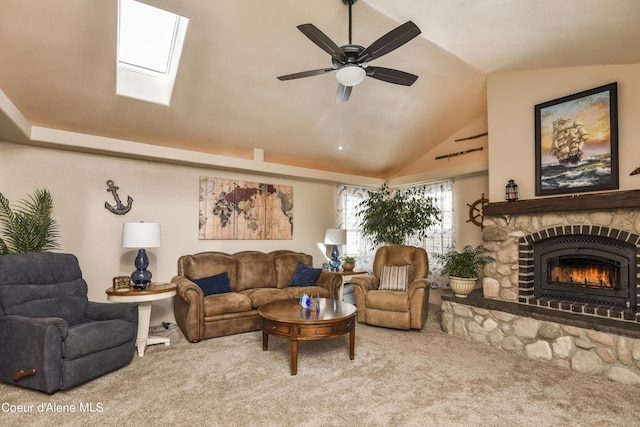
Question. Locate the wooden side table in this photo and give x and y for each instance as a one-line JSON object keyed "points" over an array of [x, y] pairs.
{"points": [[346, 277], [144, 298]]}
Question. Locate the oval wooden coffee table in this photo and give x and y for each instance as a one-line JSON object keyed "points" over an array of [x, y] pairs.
{"points": [[287, 319]]}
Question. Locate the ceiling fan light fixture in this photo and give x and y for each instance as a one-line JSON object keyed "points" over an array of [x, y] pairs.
{"points": [[350, 75]]}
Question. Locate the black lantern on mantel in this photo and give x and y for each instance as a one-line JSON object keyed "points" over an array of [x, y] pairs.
{"points": [[511, 191]]}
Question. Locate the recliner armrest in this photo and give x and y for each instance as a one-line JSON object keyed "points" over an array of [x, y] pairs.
{"points": [[32, 343], [34, 325], [107, 311], [366, 283], [418, 284]]}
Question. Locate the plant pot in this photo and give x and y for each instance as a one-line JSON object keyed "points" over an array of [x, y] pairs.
{"points": [[462, 286], [348, 266]]}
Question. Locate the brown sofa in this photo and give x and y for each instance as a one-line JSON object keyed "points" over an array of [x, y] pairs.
{"points": [[256, 278]]}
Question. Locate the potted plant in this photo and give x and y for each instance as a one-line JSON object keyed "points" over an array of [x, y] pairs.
{"points": [[28, 227], [463, 267], [388, 216], [348, 263]]}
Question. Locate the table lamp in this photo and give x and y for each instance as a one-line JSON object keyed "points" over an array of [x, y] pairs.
{"points": [[141, 235], [335, 237]]}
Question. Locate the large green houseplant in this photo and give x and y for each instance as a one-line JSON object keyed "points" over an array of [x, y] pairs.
{"points": [[392, 216], [463, 267], [28, 226]]}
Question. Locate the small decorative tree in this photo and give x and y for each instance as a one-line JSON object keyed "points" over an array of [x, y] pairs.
{"points": [[28, 227], [388, 216]]}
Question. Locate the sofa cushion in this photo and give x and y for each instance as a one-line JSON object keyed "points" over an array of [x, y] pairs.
{"points": [[255, 270], [286, 263], [262, 296], [207, 264], [387, 300], [92, 337], [230, 302], [394, 277], [305, 275], [218, 284]]}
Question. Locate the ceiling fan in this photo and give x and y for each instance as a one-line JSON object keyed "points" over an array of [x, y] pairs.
{"points": [[350, 62]]}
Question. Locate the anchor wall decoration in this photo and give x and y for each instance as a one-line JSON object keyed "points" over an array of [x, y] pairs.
{"points": [[119, 209]]}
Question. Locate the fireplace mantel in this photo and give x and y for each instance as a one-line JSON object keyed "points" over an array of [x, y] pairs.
{"points": [[584, 202]]}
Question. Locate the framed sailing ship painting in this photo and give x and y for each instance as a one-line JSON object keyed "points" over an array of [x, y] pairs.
{"points": [[577, 142]]}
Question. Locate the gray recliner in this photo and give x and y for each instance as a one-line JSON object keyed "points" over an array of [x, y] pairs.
{"points": [[51, 336]]}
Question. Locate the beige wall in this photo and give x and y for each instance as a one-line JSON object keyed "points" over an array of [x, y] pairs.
{"points": [[427, 167], [511, 100], [162, 193], [466, 190]]}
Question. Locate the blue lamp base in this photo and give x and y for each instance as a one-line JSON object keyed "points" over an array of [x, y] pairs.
{"points": [[335, 263], [141, 277]]}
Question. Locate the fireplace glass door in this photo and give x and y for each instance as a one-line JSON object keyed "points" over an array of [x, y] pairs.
{"points": [[588, 269], [584, 272]]}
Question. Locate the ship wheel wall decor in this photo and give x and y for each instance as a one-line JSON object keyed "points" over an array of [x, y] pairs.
{"points": [[476, 210]]}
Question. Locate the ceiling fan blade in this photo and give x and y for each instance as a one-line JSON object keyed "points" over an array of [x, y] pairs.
{"points": [[392, 76], [343, 93], [322, 40], [306, 74], [390, 41]]}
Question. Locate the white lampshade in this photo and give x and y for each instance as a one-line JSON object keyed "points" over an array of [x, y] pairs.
{"points": [[350, 75], [335, 236], [141, 235]]}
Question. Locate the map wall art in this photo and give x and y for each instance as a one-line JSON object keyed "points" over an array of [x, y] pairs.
{"points": [[242, 210]]}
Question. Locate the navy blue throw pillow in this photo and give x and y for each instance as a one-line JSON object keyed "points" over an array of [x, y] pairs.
{"points": [[218, 284], [304, 276]]}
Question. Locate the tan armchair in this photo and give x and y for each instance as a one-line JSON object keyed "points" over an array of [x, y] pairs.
{"points": [[380, 303]]}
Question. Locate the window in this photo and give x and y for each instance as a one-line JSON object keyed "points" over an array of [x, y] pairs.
{"points": [[440, 236], [149, 47]]}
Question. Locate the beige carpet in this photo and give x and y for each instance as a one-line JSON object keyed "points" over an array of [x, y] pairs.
{"points": [[398, 378]]}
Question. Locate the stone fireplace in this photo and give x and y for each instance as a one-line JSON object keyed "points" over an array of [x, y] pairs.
{"points": [[564, 287], [570, 255]]}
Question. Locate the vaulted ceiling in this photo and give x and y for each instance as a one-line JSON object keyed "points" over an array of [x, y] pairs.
{"points": [[57, 66]]}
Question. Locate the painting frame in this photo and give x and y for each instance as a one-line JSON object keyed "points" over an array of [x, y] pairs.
{"points": [[576, 142]]}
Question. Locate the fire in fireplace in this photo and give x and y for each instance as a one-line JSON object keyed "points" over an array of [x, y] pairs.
{"points": [[584, 272], [585, 268]]}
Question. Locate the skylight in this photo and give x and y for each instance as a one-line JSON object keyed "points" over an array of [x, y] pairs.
{"points": [[149, 47]]}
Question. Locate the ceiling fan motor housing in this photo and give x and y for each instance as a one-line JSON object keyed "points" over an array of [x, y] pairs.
{"points": [[351, 51]]}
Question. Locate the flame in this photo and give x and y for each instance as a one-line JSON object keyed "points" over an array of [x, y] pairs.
{"points": [[592, 275]]}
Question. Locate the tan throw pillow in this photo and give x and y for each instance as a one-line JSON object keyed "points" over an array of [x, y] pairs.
{"points": [[394, 277]]}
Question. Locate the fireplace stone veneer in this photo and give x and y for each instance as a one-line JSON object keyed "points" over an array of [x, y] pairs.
{"points": [[511, 239], [595, 339]]}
